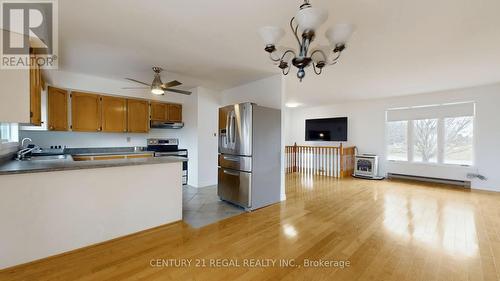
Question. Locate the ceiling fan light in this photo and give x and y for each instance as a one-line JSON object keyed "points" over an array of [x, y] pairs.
{"points": [[339, 34], [271, 34], [157, 91], [156, 88], [311, 18]]}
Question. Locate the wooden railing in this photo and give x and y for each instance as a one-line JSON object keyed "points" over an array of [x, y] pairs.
{"points": [[330, 161]]}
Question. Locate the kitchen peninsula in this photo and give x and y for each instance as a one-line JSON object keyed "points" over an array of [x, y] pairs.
{"points": [[89, 202]]}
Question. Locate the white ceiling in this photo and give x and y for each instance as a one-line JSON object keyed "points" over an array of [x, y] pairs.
{"points": [[400, 46]]}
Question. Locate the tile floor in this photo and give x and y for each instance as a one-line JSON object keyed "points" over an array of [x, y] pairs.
{"points": [[202, 206]]}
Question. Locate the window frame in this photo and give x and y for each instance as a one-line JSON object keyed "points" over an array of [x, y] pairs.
{"points": [[441, 142], [13, 138], [387, 150]]}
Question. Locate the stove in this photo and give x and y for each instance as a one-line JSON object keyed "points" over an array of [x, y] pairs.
{"points": [[170, 148]]}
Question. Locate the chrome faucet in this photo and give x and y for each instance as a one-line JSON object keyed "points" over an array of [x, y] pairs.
{"points": [[21, 154], [25, 139]]}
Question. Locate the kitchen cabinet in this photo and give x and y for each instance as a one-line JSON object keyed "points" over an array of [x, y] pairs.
{"points": [[137, 116], [85, 112], [158, 111], [35, 95], [114, 114], [174, 113], [57, 109]]}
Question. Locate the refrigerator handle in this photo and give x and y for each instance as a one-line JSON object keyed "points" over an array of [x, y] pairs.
{"points": [[233, 126], [230, 132], [231, 173], [227, 130]]}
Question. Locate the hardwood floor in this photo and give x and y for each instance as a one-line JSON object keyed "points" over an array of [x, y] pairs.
{"points": [[386, 230]]}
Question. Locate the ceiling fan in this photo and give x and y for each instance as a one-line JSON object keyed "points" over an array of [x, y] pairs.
{"points": [[158, 87]]}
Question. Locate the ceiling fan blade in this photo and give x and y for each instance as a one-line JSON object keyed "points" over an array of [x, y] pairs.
{"points": [[132, 88], [137, 81], [171, 84], [178, 91]]}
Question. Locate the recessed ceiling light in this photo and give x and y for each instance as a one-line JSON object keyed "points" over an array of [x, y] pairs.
{"points": [[293, 104]]}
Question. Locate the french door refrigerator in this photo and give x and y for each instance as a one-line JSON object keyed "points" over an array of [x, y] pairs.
{"points": [[249, 170]]}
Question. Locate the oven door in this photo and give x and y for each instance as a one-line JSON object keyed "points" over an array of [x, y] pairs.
{"points": [[235, 186]]}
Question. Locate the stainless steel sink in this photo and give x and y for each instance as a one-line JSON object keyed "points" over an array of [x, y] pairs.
{"points": [[50, 157]]}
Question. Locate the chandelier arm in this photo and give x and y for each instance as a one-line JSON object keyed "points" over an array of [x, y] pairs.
{"points": [[321, 52], [335, 60], [287, 70], [294, 30], [315, 71], [286, 52], [273, 59]]}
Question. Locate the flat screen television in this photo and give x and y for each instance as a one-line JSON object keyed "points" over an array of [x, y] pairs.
{"points": [[328, 129]]}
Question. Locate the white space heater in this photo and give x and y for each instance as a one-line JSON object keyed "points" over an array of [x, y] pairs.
{"points": [[366, 167]]}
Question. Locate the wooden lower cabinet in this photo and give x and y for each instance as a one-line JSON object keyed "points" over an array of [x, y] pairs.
{"points": [[111, 157], [114, 114], [138, 156], [137, 116], [57, 109], [85, 112]]}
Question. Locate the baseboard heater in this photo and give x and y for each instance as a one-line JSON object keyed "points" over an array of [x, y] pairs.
{"points": [[465, 184]]}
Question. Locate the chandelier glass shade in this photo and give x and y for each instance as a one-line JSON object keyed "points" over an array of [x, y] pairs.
{"points": [[304, 26]]}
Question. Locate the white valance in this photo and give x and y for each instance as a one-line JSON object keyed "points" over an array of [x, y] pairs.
{"points": [[431, 111]]}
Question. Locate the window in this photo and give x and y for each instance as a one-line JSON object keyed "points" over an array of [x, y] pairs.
{"points": [[458, 132], [397, 138], [8, 133], [425, 144], [440, 133]]}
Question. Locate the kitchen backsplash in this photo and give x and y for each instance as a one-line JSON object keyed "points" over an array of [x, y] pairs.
{"points": [[80, 139]]}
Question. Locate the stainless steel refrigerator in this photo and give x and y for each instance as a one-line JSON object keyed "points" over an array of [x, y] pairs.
{"points": [[249, 155]]}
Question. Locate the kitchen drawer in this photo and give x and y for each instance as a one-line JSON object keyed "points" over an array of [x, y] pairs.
{"points": [[235, 186], [240, 163]]}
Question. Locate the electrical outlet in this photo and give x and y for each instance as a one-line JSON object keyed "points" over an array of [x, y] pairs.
{"points": [[129, 139]]}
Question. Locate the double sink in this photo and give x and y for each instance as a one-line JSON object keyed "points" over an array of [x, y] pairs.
{"points": [[49, 157]]}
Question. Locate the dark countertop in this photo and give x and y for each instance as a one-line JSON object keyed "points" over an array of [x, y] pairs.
{"points": [[39, 166]]}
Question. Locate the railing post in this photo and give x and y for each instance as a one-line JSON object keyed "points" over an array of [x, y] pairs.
{"points": [[341, 155], [294, 157]]}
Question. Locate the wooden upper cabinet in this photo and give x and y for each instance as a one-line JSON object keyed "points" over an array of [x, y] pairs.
{"points": [[158, 111], [57, 109], [85, 112], [138, 116], [35, 95], [114, 114], [174, 113]]}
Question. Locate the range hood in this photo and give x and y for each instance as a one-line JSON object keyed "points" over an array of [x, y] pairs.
{"points": [[166, 125]]}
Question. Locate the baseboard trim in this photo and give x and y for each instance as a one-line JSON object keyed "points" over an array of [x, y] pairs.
{"points": [[465, 184]]}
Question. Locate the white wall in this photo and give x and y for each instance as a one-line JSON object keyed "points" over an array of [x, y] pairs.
{"points": [[264, 92], [208, 118], [367, 130], [14, 92], [45, 214]]}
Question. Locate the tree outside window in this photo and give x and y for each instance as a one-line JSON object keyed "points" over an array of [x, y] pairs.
{"points": [[425, 146]]}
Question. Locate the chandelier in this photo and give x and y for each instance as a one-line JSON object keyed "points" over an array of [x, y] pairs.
{"points": [[307, 21]]}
